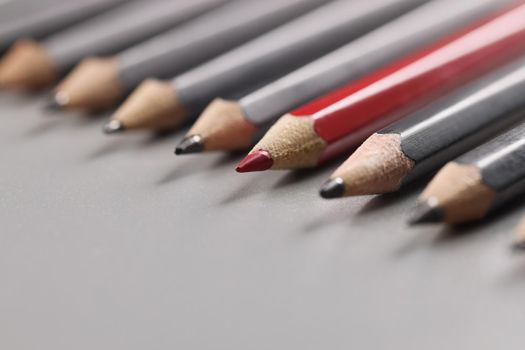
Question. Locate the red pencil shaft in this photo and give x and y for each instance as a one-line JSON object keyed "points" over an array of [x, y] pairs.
{"points": [[347, 116]]}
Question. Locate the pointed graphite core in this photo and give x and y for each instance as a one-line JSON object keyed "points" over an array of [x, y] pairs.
{"points": [[256, 161], [51, 104], [426, 213], [113, 127], [190, 144], [333, 188]]}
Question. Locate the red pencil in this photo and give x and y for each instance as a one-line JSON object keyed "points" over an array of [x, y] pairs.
{"points": [[337, 122]]}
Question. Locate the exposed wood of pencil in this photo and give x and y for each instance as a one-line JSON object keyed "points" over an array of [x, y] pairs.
{"points": [[301, 147], [26, 66], [92, 85], [459, 192], [153, 105], [222, 126], [378, 166]]}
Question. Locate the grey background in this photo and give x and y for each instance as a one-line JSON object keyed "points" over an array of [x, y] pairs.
{"points": [[113, 243]]}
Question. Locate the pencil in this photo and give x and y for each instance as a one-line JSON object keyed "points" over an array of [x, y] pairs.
{"points": [[266, 58], [475, 184], [31, 65], [36, 19], [334, 124], [422, 143], [227, 125], [101, 83]]}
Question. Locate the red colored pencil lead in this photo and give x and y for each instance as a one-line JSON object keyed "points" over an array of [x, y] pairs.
{"points": [[256, 161]]}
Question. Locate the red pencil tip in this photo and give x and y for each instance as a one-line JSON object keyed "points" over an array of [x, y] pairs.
{"points": [[256, 161]]}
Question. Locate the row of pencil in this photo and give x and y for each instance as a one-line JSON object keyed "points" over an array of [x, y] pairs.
{"points": [[414, 85]]}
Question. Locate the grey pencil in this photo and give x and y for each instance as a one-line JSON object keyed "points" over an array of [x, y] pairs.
{"points": [[175, 51], [36, 19], [475, 184], [31, 65], [268, 57], [420, 144], [236, 124]]}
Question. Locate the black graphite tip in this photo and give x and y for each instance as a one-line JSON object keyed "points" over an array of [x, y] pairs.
{"points": [[189, 145], [424, 213], [113, 127], [52, 105], [333, 188]]}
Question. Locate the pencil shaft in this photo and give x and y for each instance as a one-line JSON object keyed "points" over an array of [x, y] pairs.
{"points": [[39, 19], [285, 49], [347, 116], [120, 28], [457, 123], [196, 42], [391, 41]]}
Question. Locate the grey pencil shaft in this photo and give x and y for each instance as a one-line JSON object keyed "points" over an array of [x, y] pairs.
{"points": [[455, 124], [385, 44], [285, 49], [120, 28], [42, 18], [198, 41]]}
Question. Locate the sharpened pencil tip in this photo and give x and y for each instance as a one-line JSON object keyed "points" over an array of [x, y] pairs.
{"points": [[52, 105], [189, 145], [333, 188], [256, 161], [425, 213], [113, 127]]}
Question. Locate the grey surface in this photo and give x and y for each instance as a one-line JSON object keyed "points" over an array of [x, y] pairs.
{"points": [[112, 243]]}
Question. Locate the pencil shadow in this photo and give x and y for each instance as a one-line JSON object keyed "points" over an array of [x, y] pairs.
{"points": [[191, 165], [439, 236], [295, 177], [229, 159], [129, 141], [418, 241], [516, 275], [246, 190], [327, 219], [42, 127], [106, 149], [384, 201], [156, 138], [451, 234]]}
